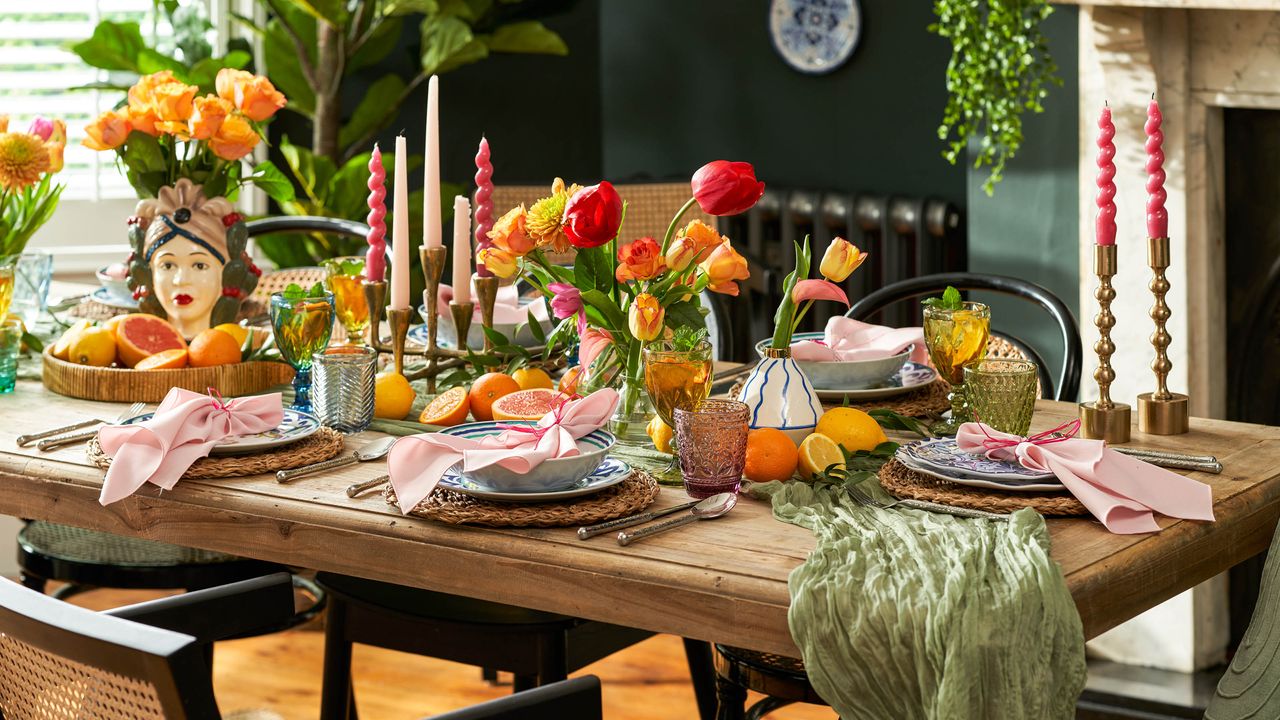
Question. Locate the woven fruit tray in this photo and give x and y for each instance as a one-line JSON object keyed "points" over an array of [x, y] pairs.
{"points": [[125, 385]]}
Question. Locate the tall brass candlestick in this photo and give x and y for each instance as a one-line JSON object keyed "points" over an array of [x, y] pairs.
{"points": [[487, 291], [398, 319], [375, 296], [1161, 412], [462, 321], [1104, 419], [432, 270]]}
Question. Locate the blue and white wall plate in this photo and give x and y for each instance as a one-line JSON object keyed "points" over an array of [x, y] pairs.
{"points": [[815, 36]]}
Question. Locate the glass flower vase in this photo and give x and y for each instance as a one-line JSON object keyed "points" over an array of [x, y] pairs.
{"points": [[779, 395], [630, 421]]}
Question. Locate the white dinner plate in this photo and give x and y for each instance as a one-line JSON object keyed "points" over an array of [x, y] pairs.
{"points": [[295, 426], [611, 472], [912, 377]]}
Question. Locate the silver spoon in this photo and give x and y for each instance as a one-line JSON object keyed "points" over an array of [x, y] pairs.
{"points": [[712, 507], [373, 451]]}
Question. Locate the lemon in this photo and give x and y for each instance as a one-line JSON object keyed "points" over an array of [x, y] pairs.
{"points": [[817, 453], [853, 429], [532, 378], [94, 346], [235, 331], [393, 396], [660, 433], [62, 348]]}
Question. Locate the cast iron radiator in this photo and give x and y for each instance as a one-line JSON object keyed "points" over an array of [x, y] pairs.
{"points": [[906, 237]]}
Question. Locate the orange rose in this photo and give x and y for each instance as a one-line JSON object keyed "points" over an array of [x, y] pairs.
{"points": [[640, 260], [142, 111], [227, 81], [235, 138], [253, 95], [174, 102], [510, 234], [143, 120], [723, 266], [109, 131], [210, 111], [704, 237]]}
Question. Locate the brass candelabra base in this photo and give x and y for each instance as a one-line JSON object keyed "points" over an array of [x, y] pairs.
{"points": [[1163, 416], [1111, 424]]}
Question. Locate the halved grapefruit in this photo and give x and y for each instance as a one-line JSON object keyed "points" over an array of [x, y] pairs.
{"points": [[527, 404], [140, 335]]}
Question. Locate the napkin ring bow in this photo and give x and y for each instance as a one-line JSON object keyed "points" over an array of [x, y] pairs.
{"points": [[1065, 431]]}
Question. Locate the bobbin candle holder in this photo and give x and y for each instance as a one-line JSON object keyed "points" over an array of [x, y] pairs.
{"points": [[375, 298], [1161, 412], [1104, 419], [398, 319], [462, 313]]}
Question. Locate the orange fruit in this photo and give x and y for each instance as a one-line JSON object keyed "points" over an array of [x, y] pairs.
{"points": [[94, 346], [488, 388], [530, 378], [139, 335], [569, 380], [771, 455], [239, 332], [213, 347], [527, 404], [448, 408], [164, 360], [113, 322]]}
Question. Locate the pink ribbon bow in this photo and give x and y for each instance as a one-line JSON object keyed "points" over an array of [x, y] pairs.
{"points": [[184, 429], [417, 462], [846, 339], [1121, 491]]}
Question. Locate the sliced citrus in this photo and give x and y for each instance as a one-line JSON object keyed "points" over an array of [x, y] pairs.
{"points": [[527, 404], [817, 453], [139, 335], [488, 388], [448, 408], [164, 360]]}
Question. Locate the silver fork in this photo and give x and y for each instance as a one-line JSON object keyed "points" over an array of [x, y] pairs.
{"points": [[862, 497], [61, 440]]}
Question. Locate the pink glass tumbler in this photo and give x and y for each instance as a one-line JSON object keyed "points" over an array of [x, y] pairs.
{"points": [[712, 445]]}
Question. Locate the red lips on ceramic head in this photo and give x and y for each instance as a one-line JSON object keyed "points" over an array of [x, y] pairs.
{"points": [[183, 299]]}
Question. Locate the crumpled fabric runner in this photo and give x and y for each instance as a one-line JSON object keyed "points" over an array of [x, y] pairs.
{"points": [[909, 615]]}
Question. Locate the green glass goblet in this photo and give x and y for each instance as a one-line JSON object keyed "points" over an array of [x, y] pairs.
{"points": [[302, 327]]}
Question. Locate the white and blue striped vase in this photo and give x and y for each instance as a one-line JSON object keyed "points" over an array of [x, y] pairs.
{"points": [[779, 395]]}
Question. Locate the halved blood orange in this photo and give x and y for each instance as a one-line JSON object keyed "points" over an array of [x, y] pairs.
{"points": [[164, 360], [448, 408], [527, 404], [140, 335]]}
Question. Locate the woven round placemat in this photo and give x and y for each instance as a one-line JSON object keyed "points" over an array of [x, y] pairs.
{"points": [[930, 400], [321, 445], [901, 481], [626, 498]]}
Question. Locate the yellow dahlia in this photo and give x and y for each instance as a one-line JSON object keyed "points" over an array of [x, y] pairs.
{"points": [[545, 216], [23, 158]]}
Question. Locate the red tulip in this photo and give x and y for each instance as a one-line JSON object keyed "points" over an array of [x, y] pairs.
{"points": [[593, 215], [726, 188]]}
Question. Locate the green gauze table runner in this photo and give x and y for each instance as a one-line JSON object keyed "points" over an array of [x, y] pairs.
{"points": [[907, 614]]}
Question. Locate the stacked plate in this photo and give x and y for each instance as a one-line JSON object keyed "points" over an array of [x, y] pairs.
{"points": [[294, 426], [943, 459]]}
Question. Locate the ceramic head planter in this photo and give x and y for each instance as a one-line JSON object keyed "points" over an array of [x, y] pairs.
{"points": [[189, 264]]}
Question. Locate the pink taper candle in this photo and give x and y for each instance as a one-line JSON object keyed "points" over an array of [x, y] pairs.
{"points": [[431, 218], [484, 202], [1157, 216], [1105, 231], [375, 260], [461, 249], [400, 230]]}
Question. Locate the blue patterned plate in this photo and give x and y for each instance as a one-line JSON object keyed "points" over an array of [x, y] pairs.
{"points": [[294, 427], [611, 472], [959, 478], [945, 457], [912, 376]]}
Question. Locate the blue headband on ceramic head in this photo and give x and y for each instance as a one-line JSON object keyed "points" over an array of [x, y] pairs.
{"points": [[175, 231]]}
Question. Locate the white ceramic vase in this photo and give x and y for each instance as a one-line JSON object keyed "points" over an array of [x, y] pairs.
{"points": [[779, 395]]}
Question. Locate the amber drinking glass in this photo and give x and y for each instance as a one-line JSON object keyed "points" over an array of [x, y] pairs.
{"points": [[957, 339], [676, 379], [345, 280], [712, 446], [1002, 393]]}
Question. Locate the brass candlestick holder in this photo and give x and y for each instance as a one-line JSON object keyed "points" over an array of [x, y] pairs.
{"points": [[487, 292], [462, 313], [432, 270], [398, 319], [1103, 419], [1161, 412], [375, 296]]}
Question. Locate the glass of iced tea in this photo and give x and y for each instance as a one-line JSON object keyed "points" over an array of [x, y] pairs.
{"points": [[345, 279], [957, 339], [676, 379]]}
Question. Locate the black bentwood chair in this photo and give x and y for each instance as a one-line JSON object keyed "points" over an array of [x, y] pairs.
{"points": [[1068, 384]]}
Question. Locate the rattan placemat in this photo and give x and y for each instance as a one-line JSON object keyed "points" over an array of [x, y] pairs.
{"points": [[927, 401], [626, 498], [322, 445], [901, 481]]}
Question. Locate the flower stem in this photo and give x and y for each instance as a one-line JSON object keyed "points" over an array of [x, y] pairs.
{"points": [[671, 229]]}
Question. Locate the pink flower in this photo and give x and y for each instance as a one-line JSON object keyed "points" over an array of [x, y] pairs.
{"points": [[41, 127], [818, 290], [566, 303], [593, 343]]}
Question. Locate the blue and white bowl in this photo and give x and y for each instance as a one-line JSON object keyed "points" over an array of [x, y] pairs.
{"points": [[845, 375], [552, 474]]}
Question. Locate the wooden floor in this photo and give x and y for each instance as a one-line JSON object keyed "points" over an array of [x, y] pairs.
{"points": [[281, 672]]}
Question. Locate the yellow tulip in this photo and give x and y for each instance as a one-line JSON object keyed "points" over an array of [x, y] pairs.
{"points": [[498, 261], [56, 145], [645, 317], [681, 253], [723, 266], [840, 260]]}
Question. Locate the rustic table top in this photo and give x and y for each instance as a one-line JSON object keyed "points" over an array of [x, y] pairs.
{"points": [[724, 581]]}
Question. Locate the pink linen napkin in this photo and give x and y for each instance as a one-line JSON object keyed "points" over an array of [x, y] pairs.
{"points": [[507, 309], [184, 429], [417, 462], [1121, 491], [846, 339]]}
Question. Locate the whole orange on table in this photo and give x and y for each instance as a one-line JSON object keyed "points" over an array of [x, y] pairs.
{"points": [[771, 455], [488, 388], [213, 347]]}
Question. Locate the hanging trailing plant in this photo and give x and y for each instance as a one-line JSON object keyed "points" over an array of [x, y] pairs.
{"points": [[1000, 67]]}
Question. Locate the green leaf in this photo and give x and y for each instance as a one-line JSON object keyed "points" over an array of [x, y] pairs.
{"points": [[686, 314], [272, 181], [113, 46], [32, 342], [535, 327], [608, 310], [143, 154], [495, 337], [371, 113], [348, 192], [529, 36], [281, 55], [333, 12], [312, 171], [382, 40], [204, 73], [950, 300], [152, 61], [447, 43], [411, 7], [592, 269]]}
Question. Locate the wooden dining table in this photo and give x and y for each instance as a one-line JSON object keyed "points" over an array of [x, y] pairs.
{"points": [[723, 580]]}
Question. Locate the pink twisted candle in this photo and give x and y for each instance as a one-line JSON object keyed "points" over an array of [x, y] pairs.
{"points": [[1105, 231], [375, 260], [1157, 216], [484, 203]]}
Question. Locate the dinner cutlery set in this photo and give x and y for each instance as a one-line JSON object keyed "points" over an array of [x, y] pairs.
{"points": [[707, 509]]}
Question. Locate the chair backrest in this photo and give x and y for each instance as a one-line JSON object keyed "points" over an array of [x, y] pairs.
{"points": [[578, 699], [306, 223], [1068, 385], [1248, 687], [62, 662]]}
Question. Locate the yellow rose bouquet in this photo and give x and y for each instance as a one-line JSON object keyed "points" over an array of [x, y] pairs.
{"points": [[165, 132]]}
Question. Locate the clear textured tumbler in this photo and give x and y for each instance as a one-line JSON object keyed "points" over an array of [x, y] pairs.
{"points": [[712, 443], [342, 387], [1002, 393]]}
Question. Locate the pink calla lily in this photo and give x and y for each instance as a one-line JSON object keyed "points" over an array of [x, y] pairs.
{"points": [[807, 290], [592, 343]]}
